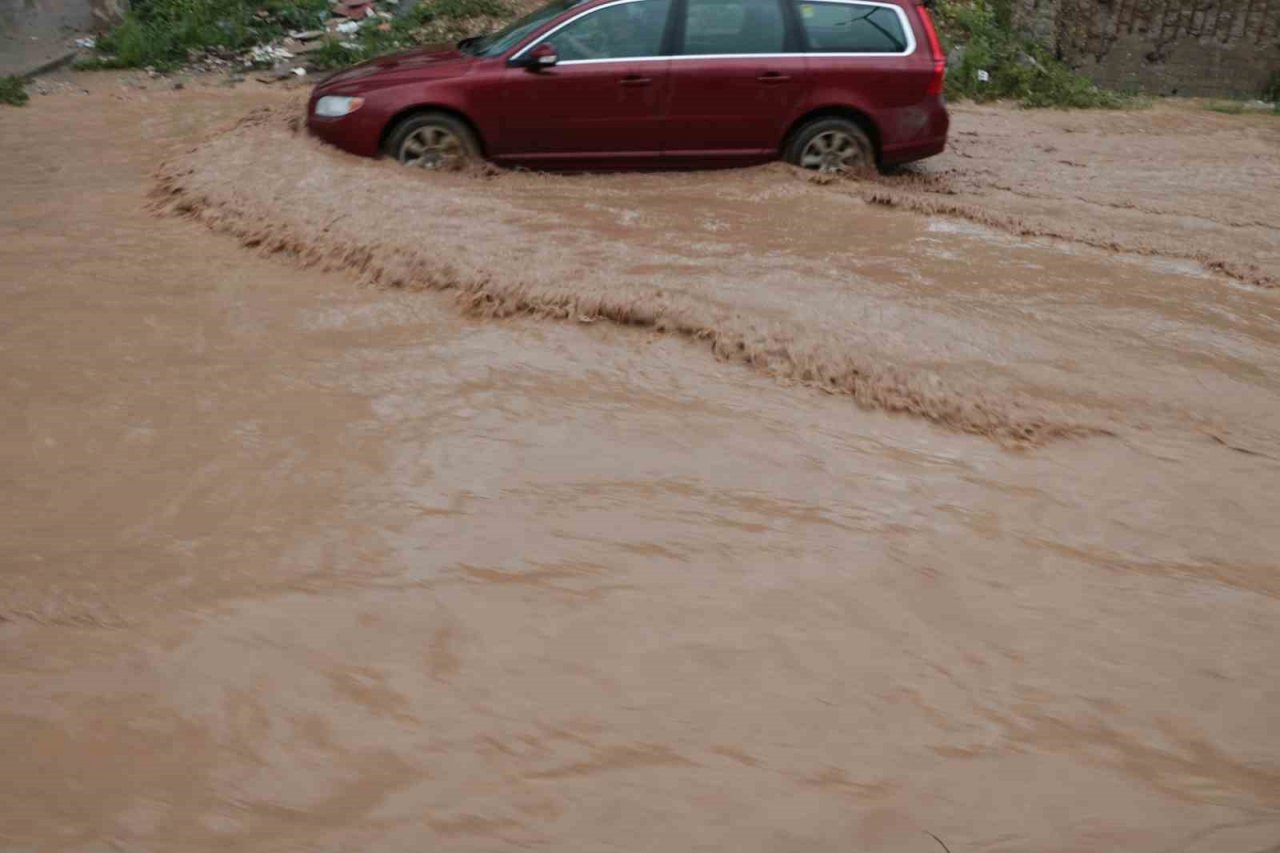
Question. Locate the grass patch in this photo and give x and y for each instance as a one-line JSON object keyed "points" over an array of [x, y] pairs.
{"points": [[1231, 108], [431, 21], [461, 10], [1014, 66], [164, 34], [13, 91], [1236, 108]]}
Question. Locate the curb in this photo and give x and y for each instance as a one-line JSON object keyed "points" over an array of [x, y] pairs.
{"points": [[45, 67]]}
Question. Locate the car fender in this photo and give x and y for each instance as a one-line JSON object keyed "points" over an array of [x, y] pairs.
{"points": [[832, 100]]}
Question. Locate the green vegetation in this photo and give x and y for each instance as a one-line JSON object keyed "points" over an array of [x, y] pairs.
{"points": [[429, 21], [1235, 108], [981, 33], [459, 10], [1231, 108], [1271, 92], [1268, 101], [13, 91], [163, 34]]}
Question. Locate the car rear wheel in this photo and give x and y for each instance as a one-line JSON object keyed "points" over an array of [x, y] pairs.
{"points": [[833, 146], [433, 141]]}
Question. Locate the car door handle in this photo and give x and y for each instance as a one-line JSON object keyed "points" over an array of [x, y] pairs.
{"points": [[773, 77], [635, 80]]}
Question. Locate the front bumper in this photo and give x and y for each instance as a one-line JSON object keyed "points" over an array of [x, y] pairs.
{"points": [[359, 133]]}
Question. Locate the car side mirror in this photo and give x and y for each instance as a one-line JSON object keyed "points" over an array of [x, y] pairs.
{"points": [[542, 56]]}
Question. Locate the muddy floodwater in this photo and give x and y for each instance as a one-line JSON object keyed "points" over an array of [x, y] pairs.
{"points": [[349, 508]]}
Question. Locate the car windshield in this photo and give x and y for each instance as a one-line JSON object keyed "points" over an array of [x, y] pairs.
{"points": [[496, 44]]}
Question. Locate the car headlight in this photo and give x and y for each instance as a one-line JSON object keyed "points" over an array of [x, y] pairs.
{"points": [[333, 106]]}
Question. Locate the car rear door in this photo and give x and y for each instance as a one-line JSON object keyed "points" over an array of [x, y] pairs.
{"points": [[601, 104], [735, 80], [863, 53]]}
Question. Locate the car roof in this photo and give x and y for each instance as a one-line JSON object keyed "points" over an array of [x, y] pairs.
{"points": [[591, 4]]}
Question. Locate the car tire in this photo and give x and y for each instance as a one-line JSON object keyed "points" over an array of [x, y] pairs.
{"points": [[433, 141], [831, 145]]}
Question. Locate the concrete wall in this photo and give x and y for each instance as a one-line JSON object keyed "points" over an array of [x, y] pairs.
{"points": [[35, 32], [1165, 47], [48, 16]]}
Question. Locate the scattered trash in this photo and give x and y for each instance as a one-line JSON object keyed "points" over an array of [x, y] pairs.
{"points": [[268, 54], [340, 26]]}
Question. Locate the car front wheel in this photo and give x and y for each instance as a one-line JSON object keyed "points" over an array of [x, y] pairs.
{"points": [[831, 145], [435, 141]]}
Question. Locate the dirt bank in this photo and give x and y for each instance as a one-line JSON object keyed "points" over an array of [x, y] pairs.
{"points": [[293, 564]]}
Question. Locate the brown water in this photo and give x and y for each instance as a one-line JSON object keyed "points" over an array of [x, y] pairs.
{"points": [[291, 563]]}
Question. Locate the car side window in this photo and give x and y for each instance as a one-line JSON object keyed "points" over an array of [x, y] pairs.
{"points": [[852, 28], [624, 31], [716, 27]]}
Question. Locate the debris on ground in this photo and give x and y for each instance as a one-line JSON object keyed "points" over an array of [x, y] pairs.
{"points": [[268, 54], [291, 39]]}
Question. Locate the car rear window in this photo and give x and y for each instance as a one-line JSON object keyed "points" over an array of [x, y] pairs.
{"points": [[852, 28], [718, 27]]}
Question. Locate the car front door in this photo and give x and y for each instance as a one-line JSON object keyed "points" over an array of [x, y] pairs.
{"points": [[602, 102], [736, 79]]}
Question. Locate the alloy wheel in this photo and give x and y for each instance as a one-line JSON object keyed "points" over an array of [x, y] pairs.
{"points": [[833, 151], [432, 147]]}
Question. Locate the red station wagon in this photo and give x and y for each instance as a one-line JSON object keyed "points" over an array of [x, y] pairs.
{"points": [[607, 84]]}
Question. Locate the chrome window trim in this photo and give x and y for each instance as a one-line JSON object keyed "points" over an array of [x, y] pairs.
{"points": [[558, 27], [898, 10]]}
